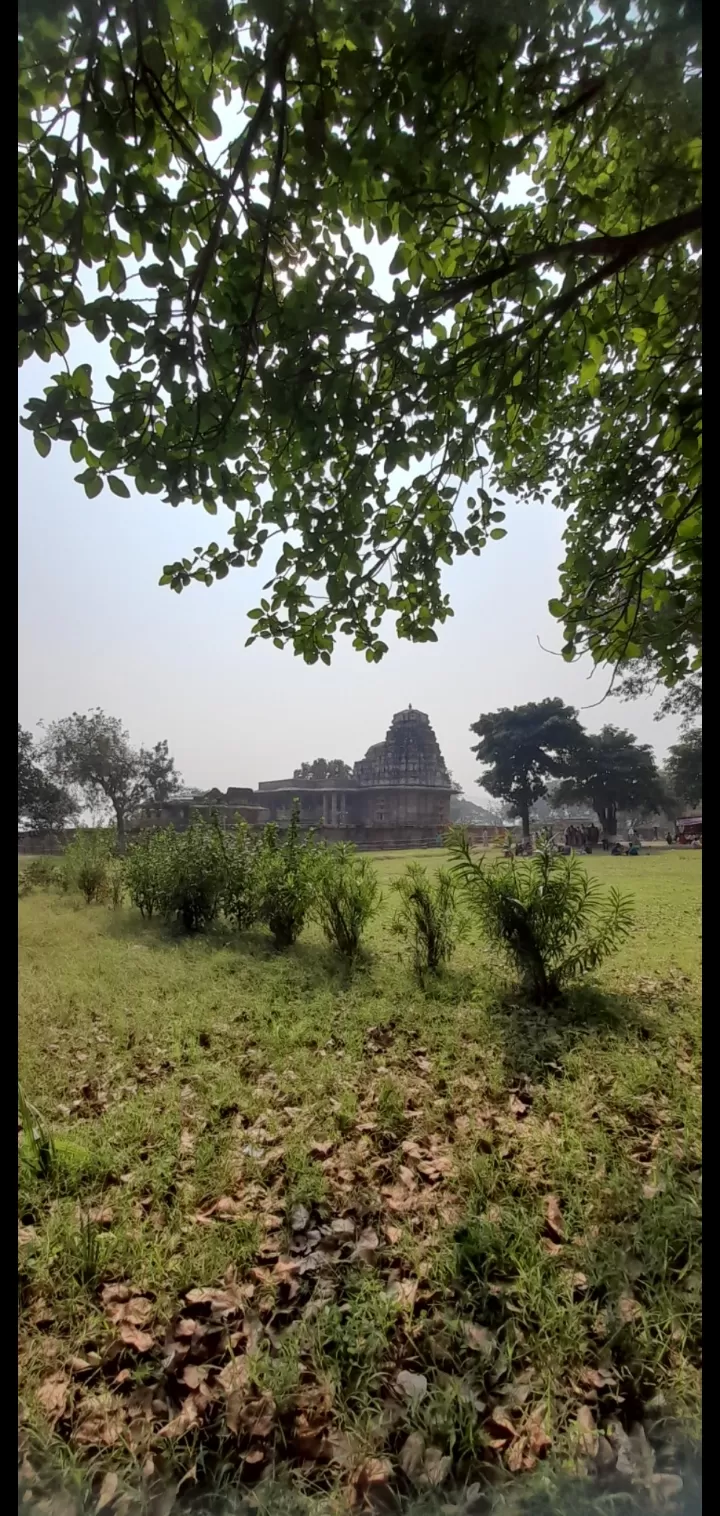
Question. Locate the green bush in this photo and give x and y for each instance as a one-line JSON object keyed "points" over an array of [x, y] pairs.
{"points": [[427, 917], [147, 863], [553, 920], [86, 863], [41, 872], [241, 892], [346, 897], [193, 875], [286, 880]]}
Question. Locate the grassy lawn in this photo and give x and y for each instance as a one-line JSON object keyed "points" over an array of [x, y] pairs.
{"points": [[366, 1236]]}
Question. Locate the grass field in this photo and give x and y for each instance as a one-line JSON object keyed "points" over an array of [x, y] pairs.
{"points": [[366, 1236]]}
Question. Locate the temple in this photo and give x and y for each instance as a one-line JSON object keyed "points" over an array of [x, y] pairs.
{"points": [[397, 795]]}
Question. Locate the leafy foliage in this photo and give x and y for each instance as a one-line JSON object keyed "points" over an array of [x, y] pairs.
{"points": [[346, 897], [534, 172], [524, 747], [683, 769], [549, 915], [86, 863], [193, 875], [286, 878], [93, 753], [241, 889], [614, 772], [147, 863], [43, 806], [321, 769], [426, 917]]}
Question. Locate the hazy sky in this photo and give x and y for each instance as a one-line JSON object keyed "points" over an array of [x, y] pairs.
{"points": [[96, 629]]}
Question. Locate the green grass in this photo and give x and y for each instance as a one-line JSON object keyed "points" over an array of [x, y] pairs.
{"points": [[532, 1250]]}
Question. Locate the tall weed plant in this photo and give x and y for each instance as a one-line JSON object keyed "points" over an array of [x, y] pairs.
{"points": [[193, 875], [241, 896], [86, 862], [427, 917], [552, 918], [287, 876], [346, 897]]}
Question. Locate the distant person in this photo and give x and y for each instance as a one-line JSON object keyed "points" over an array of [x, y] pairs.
{"points": [[617, 851], [669, 838], [634, 850], [605, 842]]}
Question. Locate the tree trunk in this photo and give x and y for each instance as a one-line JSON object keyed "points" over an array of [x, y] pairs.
{"points": [[120, 827], [524, 810], [608, 816]]}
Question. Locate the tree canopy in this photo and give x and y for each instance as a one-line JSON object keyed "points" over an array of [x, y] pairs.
{"points": [[43, 806], [93, 754], [521, 749], [320, 768], [200, 184], [614, 772], [683, 769]]}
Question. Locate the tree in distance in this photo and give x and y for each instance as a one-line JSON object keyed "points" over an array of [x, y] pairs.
{"points": [[614, 772], [43, 806], [92, 754], [521, 749]]}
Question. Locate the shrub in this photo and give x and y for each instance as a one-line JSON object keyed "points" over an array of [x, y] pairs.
{"points": [[286, 879], [193, 875], [116, 881], [42, 873], [146, 868], [241, 892], [86, 862], [346, 897], [553, 920], [427, 917]]}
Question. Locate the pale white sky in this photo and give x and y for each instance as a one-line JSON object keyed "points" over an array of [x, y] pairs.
{"points": [[96, 629]]}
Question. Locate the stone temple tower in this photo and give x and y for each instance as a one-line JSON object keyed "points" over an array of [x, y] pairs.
{"points": [[405, 777]]}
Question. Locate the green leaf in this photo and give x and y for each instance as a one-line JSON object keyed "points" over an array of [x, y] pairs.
{"points": [[42, 444], [557, 609], [93, 486], [118, 487]]}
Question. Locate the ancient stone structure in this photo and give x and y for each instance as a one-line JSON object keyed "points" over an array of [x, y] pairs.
{"points": [[399, 793]]}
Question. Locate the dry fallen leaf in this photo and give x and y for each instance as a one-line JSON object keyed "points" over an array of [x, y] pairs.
{"points": [[412, 1386], [412, 1456], [628, 1307], [108, 1491], [536, 1436], [366, 1247], [114, 1292], [101, 1422], [480, 1339], [299, 1218], [142, 1342], [403, 1292], [437, 1466], [180, 1424], [553, 1218], [587, 1439], [517, 1107], [135, 1312], [393, 1234], [52, 1394], [101, 1215], [501, 1427]]}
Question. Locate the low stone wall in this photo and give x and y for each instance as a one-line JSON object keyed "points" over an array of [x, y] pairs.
{"points": [[43, 842]]}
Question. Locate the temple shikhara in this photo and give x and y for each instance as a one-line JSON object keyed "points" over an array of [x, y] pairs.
{"points": [[398, 794]]}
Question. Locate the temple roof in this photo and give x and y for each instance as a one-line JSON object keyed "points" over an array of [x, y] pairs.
{"points": [[410, 756]]}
